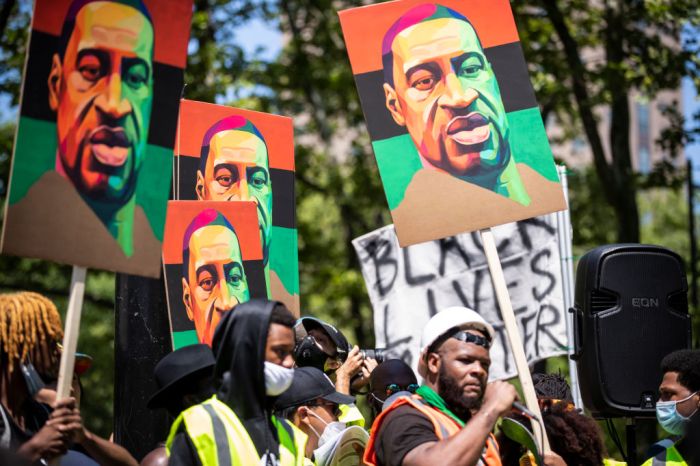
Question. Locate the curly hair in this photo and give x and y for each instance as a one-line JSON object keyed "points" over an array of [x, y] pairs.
{"points": [[574, 436], [29, 325], [687, 364]]}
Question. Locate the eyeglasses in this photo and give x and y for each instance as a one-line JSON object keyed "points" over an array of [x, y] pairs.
{"points": [[334, 408], [393, 388], [546, 404]]}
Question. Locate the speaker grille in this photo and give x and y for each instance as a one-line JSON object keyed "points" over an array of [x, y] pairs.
{"points": [[603, 300]]}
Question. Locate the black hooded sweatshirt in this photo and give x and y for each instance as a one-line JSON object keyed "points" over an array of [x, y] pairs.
{"points": [[239, 346]]}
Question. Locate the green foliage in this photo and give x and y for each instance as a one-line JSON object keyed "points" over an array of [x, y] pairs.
{"points": [[339, 194]]}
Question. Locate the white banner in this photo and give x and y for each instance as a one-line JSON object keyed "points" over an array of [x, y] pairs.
{"points": [[409, 285]]}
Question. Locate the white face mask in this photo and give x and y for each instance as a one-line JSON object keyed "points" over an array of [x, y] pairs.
{"points": [[277, 379], [327, 440]]}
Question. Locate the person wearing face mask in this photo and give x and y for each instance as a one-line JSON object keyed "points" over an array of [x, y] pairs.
{"points": [[253, 346], [30, 336], [391, 379], [677, 408], [313, 405]]}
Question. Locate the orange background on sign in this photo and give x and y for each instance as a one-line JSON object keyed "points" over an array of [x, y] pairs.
{"points": [[171, 22], [364, 27], [242, 215], [197, 117]]}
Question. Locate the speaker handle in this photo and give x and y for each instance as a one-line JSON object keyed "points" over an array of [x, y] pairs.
{"points": [[578, 333]]}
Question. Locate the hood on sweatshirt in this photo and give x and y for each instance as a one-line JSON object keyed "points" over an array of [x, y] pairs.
{"points": [[239, 346]]}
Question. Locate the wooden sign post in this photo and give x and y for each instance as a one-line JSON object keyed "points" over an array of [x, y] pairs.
{"points": [[516, 343], [72, 330]]}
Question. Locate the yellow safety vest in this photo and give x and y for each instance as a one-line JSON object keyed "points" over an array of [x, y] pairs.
{"points": [[669, 457], [351, 416], [613, 462], [221, 439]]}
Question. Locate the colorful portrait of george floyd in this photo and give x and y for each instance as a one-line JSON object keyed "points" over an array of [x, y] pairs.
{"points": [[212, 257], [454, 123], [98, 117], [242, 155]]}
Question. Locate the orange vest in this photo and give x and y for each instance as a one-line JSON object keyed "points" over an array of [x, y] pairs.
{"points": [[444, 427]]}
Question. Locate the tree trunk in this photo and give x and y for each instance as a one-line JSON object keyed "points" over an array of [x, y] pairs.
{"points": [[617, 179], [7, 7], [625, 199]]}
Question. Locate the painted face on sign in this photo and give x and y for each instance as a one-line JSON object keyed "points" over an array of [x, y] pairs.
{"points": [[445, 93], [237, 169], [102, 91], [215, 280]]}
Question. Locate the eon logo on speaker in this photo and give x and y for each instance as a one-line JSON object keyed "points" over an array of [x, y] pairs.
{"points": [[645, 302]]}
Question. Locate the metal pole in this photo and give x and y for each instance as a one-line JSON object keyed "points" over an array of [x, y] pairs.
{"points": [[142, 338], [564, 238], [693, 242]]}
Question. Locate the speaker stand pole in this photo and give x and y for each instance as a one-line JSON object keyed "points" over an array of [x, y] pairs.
{"points": [[564, 238], [631, 434], [693, 242]]}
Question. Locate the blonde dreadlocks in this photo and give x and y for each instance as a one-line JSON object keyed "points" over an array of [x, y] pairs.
{"points": [[28, 322]]}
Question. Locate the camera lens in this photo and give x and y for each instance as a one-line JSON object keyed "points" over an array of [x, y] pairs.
{"points": [[376, 353]]}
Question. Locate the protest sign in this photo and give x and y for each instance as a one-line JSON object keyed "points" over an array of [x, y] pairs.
{"points": [[347, 449], [92, 158], [229, 154], [452, 116], [213, 260], [409, 285]]}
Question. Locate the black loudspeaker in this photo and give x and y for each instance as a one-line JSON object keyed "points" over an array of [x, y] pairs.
{"points": [[631, 310]]}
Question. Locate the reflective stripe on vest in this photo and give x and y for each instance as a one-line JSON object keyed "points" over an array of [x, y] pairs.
{"points": [[443, 425], [221, 439], [669, 457]]}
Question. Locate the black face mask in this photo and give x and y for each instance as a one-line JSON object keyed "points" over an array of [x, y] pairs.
{"points": [[308, 354], [31, 378]]}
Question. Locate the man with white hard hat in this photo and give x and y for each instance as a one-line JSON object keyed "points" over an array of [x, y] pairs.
{"points": [[450, 417]]}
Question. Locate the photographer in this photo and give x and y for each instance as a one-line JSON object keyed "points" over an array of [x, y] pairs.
{"points": [[321, 345]]}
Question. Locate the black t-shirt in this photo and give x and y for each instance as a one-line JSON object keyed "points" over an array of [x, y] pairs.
{"points": [[402, 430]]}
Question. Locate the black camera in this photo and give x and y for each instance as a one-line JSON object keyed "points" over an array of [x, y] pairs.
{"points": [[376, 353]]}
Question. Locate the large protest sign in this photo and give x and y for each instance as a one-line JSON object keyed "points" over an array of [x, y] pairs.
{"points": [[229, 154], [213, 260], [452, 116], [92, 159], [409, 285]]}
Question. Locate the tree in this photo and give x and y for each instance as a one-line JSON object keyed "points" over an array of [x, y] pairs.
{"points": [[635, 48]]}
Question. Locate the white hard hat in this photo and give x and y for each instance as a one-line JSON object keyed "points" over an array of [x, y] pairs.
{"points": [[451, 317]]}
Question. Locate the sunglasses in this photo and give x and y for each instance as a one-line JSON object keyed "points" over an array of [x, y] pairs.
{"points": [[334, 408], [393, 388]]}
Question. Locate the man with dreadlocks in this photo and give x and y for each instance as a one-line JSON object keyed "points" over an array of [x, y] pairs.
{"points": [[30, 332]]}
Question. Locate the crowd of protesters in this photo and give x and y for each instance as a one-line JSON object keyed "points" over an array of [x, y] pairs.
{"points": [[273, 390]]}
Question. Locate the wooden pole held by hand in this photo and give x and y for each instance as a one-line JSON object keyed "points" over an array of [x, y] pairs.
{"points": [[511, 326], [70, 334]]}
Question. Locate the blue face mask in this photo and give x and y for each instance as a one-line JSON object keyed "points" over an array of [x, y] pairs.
{"points": [[670, 419]]}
